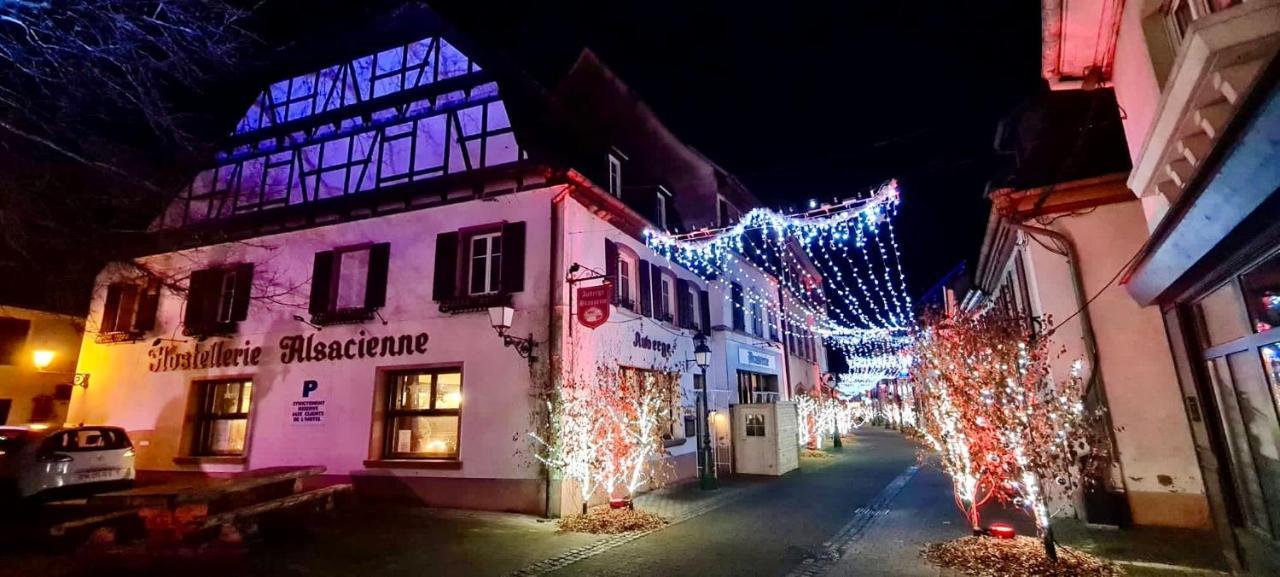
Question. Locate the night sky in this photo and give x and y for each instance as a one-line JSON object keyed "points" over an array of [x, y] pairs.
{"points": [[811, 99]]}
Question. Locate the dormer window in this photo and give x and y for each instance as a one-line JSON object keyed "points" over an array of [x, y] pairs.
{"points": [[615, 175], [660, 210]]}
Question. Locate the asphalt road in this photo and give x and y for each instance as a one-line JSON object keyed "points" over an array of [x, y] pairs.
{"points": [[769, 532]]}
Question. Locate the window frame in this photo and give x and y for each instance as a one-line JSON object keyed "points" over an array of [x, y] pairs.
{"points": [[667, 293], [1196, 9], [493, 279], [662, 195], [335, 277], [757, 319], [627, 291], [205, 417], [615, 175], [392, 383], [759, 426]]}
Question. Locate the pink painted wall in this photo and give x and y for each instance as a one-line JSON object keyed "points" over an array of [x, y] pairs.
{"points": [[1137, 90]]}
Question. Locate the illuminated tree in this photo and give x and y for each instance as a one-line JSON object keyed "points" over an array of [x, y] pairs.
{"points": [[1000, 423]]}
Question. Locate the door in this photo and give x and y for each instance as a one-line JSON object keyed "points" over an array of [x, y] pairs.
{"points": [[5, 405]]}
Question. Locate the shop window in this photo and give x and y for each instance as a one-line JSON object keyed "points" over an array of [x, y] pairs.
{"points": [[348, 284], [13, 338], [222, 417], [1262, 294], [755, 425], [1223, 315], [478, 267], [217, 299], [422, 414], [641, 383], [129, 311]]}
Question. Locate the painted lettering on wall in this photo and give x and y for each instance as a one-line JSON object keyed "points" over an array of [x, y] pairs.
{"points": [[645, 342], [299, 349], [200, 356], [293, 349]]}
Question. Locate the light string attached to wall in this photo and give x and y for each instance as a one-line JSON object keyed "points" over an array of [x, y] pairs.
{"points": [[866, 317]]}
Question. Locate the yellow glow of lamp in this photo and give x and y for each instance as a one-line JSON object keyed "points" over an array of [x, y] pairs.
{"points": [[42, 359]]}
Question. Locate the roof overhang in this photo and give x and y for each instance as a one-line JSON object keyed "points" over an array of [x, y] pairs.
{"points": [[1078, 41]]}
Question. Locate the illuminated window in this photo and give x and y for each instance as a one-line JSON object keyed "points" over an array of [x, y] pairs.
{"points": [[222, 417], [755, 425], [422, 415]]}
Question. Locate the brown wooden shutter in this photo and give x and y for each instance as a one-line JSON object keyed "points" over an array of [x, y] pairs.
{"points": [[611, 267], [646, 303], [321, 282], [128, 307], [202, 290], [444, 281], [244, 284], [512, 280], [375, 288], [704, 307], [684, 312], [148, 306], [110, 309]]}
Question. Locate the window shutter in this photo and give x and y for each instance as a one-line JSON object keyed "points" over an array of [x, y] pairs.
{"points": [[642, 268], [445, 279], [128, 307], [512, 280], [683, 311], [322, 280], [611, 266], [375, 288], [148, 306], [244, 282], [704, 307], [655, 277], [110, 309], [739, 320], [201, 292]]}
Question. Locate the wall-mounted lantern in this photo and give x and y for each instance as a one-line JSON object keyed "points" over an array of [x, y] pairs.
{"points": [[500, 318]]}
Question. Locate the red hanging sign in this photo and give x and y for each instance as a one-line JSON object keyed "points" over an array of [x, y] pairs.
{"points": [[593, 304]]}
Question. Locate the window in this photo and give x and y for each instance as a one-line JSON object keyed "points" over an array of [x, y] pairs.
{"points": [[624, 296], [773, 327], [664, 307], [217, 299], [739, 310], [1261, 287], [422, 415], [13, 337], [486, 264], [756, 387], [128, 311], [1181, 14], [477, 267], [663, 387], [726, 214], [1218, 5], [87, 439], [661, 208], [694, 316], [755, 425], [347, 284], [222, 417], [615, 176], [757, 320]]}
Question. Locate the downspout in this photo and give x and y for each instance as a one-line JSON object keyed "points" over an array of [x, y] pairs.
{"points": [[555, 286], [1086, 327]]}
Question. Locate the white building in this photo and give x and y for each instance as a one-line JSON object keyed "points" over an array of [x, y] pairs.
{"points": [[322, 292]]}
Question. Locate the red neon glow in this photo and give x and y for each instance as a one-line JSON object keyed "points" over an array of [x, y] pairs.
{"points": [[1001, 531]]}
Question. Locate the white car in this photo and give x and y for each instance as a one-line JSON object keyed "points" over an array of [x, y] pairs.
{"points": [[36, 459]]}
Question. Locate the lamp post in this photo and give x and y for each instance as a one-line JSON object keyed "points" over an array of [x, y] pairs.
{"points": [[42, 358], [702, 357]]}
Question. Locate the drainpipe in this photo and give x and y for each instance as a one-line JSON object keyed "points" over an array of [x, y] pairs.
{"points": [[1086, 326], [555, 287]]}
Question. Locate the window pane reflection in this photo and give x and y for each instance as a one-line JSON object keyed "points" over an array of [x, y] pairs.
{"points": [[1262, 294]]}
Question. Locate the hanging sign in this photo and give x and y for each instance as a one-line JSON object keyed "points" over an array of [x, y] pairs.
{"points": [[593, 304]]}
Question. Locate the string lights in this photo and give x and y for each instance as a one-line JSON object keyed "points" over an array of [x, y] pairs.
{"points": [[846, 252]]}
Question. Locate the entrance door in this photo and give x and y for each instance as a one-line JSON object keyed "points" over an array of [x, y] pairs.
{"points": [[5, 405]]}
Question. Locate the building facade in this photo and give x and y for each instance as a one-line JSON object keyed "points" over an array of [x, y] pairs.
{"points": [[1197, 80], [38, 353], [325, 291]]}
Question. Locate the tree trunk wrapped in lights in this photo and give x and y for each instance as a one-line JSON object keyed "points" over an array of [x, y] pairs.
{"points": [[999, 421]]}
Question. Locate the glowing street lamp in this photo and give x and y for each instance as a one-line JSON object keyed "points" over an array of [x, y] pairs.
{"points": [[42, 358]]}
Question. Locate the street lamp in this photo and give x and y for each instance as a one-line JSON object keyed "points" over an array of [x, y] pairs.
{"points": [[702, 357], [42, 358], [500, 318]]}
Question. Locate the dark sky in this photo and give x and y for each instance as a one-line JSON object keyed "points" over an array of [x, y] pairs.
{"points": [[811, 99]]}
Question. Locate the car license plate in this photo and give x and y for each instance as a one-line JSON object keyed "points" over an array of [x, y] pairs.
{"points": [[103, 475]]}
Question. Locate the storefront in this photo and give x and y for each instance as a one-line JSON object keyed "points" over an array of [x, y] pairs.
{"points": [[1214, 269]]}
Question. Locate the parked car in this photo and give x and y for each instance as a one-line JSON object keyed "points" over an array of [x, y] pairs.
{"points": [[36, 460]]}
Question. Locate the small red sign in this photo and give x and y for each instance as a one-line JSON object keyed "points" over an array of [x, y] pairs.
{"points": [[593, 304]]}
